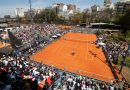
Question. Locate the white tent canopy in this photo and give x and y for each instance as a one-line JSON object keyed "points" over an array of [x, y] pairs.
{"points": [[102, 44], [100, 38], [58, 34], [54, 36]]}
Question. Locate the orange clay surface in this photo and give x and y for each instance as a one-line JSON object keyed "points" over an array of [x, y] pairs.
{"points": [[66, 27], [87, 59], [2, 45]]}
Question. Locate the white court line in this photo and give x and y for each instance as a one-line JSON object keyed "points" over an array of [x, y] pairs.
{"points": [[92, 52], [86, 52], [89, 38]]}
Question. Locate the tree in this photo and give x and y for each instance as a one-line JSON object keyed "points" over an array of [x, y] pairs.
{"points": [[125, 20], [29, 15], [76, 19], [86, 16], [7, 16], [46, 15]]}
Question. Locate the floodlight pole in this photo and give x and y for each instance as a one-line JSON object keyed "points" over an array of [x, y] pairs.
{"points": [[17, 10], [123, 63], [30, 4], [121, 69]]}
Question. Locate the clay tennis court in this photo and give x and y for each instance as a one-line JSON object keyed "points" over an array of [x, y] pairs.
{"points": [[87, 60], [67, 27], [4, 45]]}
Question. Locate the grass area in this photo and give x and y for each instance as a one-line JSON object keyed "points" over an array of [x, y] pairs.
{"points": [[127, 61], [125, 70], [127, 36], [126, 73]]}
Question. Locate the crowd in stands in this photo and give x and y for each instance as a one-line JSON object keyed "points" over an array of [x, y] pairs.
{"points": [[76, 82], [21, 73], [18, 72], [114, 49], [25, 74], [32, 33]]}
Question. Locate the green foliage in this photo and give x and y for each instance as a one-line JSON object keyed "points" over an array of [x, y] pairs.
{"points": [[77, 18], [122, 38], [125, 20], [100, 33], [46, 15], [117, 18], [105, 16], [118, 37], [114, 37], [127, 61], [128, 33], [7, 16]]}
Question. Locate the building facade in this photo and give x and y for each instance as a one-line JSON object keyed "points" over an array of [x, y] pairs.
{"points": [[107, 2], [19, 12], [71, 7], [64, 10], [122, 7]]}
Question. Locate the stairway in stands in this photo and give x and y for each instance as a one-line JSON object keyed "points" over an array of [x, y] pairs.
{"points": [[57, 83]]}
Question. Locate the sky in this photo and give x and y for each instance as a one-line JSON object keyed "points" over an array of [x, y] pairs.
{"points": [[7, 7]]}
